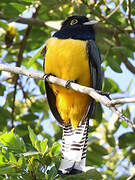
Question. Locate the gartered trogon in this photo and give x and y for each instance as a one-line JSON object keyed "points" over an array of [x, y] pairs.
{"points": [[71, 54]]}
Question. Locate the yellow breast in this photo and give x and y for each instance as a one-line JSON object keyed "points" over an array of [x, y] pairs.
{"points": [[67, 59]]}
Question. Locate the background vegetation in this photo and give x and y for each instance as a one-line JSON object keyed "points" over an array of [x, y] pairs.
{"points": [[29, 136]]}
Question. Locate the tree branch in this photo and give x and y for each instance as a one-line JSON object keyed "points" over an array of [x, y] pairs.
{"points": [[37, 22], [83, 89], [122, 101], [29, 21], [132, 177], [124, 59], [103, 18], [19, 60], [128, 64]]}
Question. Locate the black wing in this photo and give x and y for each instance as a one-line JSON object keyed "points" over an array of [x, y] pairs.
{"points": [[51, 96], [95, 70]]}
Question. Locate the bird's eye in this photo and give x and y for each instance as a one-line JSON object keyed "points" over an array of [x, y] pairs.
{"points": [[74, 21]]}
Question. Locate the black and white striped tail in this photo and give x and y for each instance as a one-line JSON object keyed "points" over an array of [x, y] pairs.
{"points": [[74, 147]]}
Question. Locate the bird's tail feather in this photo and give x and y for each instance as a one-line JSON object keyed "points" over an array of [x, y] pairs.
{"points": [[74, 146]]}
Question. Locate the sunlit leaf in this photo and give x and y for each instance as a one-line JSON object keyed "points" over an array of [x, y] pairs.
{"points": [[34, 58], [44, 146], [18, 6], [13, 141], [34, 139], [110, 86]]}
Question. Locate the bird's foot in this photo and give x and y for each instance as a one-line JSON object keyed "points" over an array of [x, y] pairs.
{"points": [[45, 76], [103, 93], [69, 82], [69, 172]]}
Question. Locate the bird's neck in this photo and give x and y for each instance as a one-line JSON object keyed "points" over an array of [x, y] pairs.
{"points": [[75, 34]]}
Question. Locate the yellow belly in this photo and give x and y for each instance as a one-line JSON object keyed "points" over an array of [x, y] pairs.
{"points": [[67, 59]]}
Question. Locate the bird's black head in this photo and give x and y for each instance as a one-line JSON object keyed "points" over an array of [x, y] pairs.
{"points": [[76, 27]]}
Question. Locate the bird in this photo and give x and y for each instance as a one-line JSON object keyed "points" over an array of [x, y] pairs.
{"points": [[72, 54], [10, 35]]}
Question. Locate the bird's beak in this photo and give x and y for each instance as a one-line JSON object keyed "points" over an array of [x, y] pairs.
{"points": [[92, 22]]}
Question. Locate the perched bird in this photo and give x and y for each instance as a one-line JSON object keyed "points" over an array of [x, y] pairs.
{"points": [[10, 35], [71, 54]]}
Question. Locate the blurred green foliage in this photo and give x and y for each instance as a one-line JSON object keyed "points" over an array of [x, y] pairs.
{"points": [[22, 154]]}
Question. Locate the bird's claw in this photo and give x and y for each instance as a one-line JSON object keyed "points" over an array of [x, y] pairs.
{"points": [[45, 76], [103, 93], [68, 83]]}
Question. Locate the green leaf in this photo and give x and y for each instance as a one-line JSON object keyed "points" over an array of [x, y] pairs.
{"points": [[22, 129], [40, 106], [29, 117], [2, 158], [13, 141], [41, 85], [111, 140], [129, 85], [12, 158], [3, 25], [112, 62], [126, 112], [34, 58], [92, 174], [21, 161], [37, 66], [32, 136], [44, 146], [55, 149], [99, 149], [126, 140], [29, 0], [57, 130], [97, 115], [34, 139], [20, 7], [52, 173], [110, 86], [93, 158], [7, 169], [132, 158], [124, 124], [124, 50], [4, 115], [2, 89]]}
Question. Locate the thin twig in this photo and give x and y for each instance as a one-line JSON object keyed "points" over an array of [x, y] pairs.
{"points": [[114, 11], [103, 18], [82, 89], [13, 102], [131, 177], [24, 93], [5, 79], [130, 20], [122, 101]]}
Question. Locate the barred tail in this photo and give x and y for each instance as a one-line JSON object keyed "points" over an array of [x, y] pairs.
{"points": [[74, 147]]}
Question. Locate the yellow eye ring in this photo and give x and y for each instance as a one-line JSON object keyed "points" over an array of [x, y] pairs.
{"points": [[74, 21]]}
